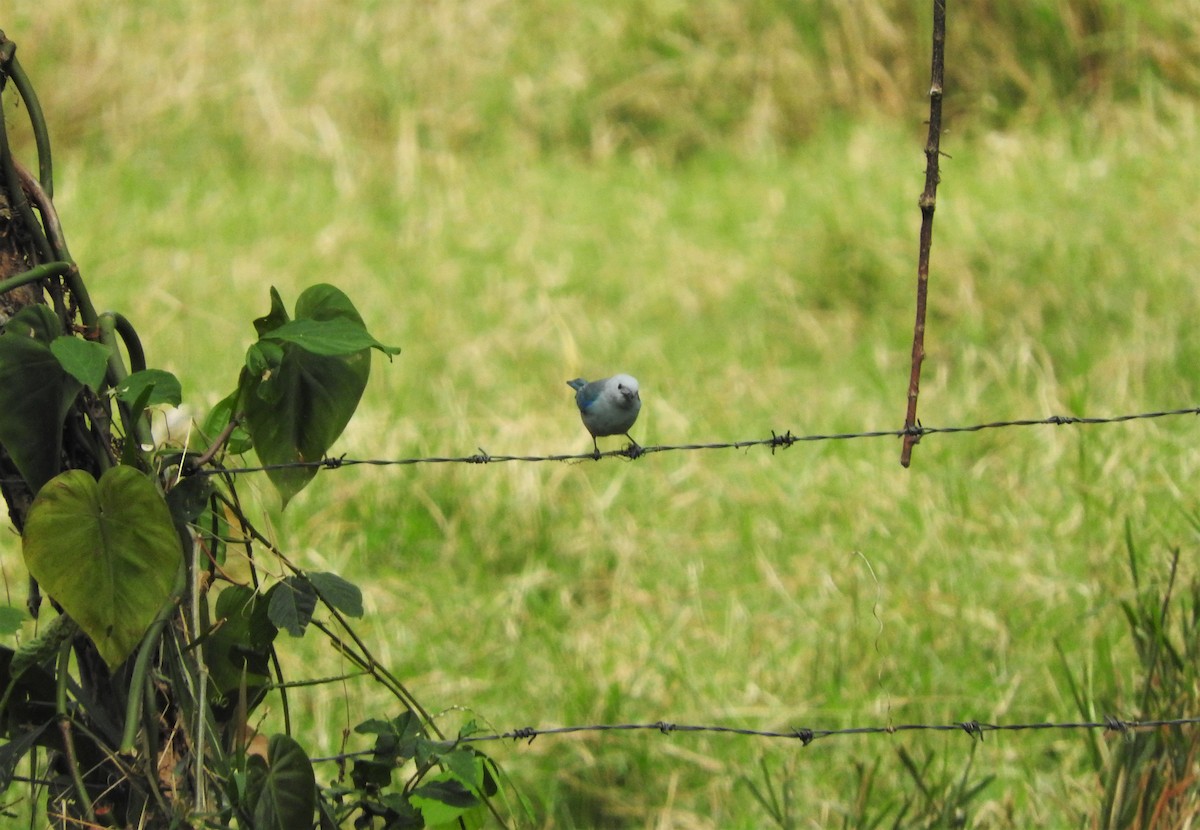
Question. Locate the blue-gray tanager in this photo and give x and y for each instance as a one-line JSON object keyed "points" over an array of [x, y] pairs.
{"points": [[608, 406]]}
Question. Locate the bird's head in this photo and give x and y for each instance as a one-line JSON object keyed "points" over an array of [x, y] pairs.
{"points": [[627, 389]]}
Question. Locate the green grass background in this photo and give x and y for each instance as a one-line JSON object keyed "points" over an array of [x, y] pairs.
{"points": [[718, 197]]}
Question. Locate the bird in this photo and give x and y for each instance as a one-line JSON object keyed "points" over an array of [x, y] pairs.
{"points": [[608, 406]]}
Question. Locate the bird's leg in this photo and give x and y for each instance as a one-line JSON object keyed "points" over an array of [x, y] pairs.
{"points": [[596, 447]]}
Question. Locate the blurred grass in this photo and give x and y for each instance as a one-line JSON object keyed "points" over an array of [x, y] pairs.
{"points": [[719, 198]]}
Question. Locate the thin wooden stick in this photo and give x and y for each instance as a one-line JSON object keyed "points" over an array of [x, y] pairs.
{"points": [[927, 202]]}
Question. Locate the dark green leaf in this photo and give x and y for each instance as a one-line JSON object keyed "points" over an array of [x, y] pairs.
{"points": [[298, 398], [374, 726], [164, 385], [14, 751], [188, 499], [274, 318], [84, 360], [408, 728], [240, 641], [317, 396], [29, 690], [249, 784], [372, 774], [287, 795], [395, 740], [35, 395], [338, 593], [291, 605], [106, 551], [36, 322]]}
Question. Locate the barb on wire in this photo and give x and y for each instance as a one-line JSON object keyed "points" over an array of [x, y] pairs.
{"points": [[774, 442]]}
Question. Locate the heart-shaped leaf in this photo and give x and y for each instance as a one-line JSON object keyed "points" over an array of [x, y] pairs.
{"points": [[284, 790], [297, 401], [106, 551]]}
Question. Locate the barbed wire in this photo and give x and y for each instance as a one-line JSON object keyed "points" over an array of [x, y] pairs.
{"points": [[976, 729], [776, 441], [806, 735]]}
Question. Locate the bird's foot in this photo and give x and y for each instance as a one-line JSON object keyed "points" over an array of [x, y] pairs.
{"points": [[634, 450]]}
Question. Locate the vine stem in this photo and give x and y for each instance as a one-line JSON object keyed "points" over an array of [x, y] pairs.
{"points": [[40, 272], [37, 121], [141, 667], [927, 202], [57, 241], [64, 727]]}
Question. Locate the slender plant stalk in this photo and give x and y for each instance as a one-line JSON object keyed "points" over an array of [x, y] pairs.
{"points": [[928, 202]]}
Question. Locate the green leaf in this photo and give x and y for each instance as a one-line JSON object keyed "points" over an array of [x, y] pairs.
{"points": [[219, 418], [297, 403], [291, 605], [338, 593], [106, 551], [164, 386], [329, 337], [239, 643], [35, 394], [328, 302], [36, 322], [402, 814], [466, 765], [442, 799], [11, 619], [286, 797], [84, 360]]}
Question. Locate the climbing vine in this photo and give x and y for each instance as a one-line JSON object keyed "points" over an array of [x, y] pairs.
{"points": [[134, 701]]}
